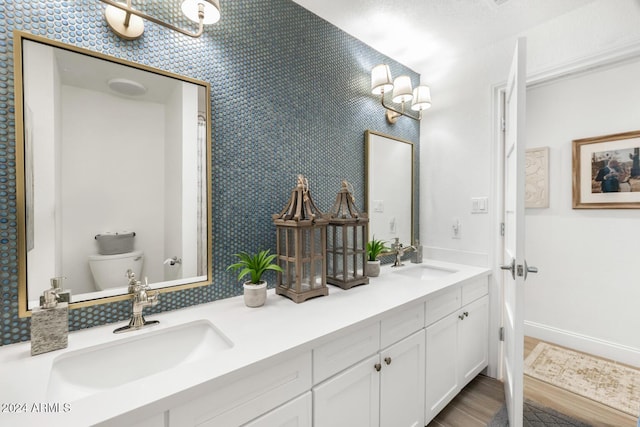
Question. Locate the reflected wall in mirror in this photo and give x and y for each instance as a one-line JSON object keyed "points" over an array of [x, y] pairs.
{"points": [[107, 146], [389, 187]]}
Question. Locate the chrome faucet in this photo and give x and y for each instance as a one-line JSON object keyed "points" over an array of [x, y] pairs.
{"points": [[399, 249], [142, 297]]}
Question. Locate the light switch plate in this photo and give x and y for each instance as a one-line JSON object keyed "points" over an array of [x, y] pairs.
{"points": [[479, 205]]}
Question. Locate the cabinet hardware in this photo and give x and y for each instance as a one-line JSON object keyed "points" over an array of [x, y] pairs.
{"points": [[387, 360], [377, 366], [466, 314], [461, 317]]}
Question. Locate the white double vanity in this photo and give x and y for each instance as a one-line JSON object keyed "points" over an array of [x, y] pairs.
{"points": [[391, 353]]}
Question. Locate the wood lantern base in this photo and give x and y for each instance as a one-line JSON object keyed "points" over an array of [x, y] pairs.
{"points": [[348, 284], [301, 297]]}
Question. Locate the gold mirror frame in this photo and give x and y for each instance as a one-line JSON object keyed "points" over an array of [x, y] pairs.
{"points": [[18, 37], [389, 176]]}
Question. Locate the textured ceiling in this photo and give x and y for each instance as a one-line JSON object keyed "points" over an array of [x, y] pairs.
{"points": [[415, 32]]}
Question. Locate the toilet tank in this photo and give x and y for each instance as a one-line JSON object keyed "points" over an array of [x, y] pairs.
{"points": [[110, 271], [112, 243]]}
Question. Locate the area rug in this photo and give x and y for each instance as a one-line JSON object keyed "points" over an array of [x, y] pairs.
{"points": [[535, 415], [607, 382]]}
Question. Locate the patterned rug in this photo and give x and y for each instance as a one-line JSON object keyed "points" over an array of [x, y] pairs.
{"points": [[607, 382], [536, 416]]}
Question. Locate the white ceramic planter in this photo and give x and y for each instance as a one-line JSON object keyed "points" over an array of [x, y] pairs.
{"points": [[373, 268], [255, 295]]}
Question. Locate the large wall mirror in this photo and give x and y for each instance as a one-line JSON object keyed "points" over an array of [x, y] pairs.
{"points": [[110, 149], [389, 196]]}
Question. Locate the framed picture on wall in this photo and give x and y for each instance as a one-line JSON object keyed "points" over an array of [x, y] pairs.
{"points": [[606, 172]]}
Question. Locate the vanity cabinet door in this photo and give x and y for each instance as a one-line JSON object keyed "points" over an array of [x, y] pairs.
{"points": [[442, 364], [351, 398], [474, 339], [402, 380], [296, 413], [457, 351]]}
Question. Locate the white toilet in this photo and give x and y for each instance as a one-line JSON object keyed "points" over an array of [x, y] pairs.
{"points": [[110, 271]]}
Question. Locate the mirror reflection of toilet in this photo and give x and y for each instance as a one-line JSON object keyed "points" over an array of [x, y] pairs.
{"points": [[115, 257]]}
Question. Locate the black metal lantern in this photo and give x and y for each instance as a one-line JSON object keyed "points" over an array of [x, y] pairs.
{"points": [[301, 246], [346, 242]]}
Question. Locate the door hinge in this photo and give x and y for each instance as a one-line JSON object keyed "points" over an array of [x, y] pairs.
{"points": [[502, 229], [503, 124], [501, 333]]}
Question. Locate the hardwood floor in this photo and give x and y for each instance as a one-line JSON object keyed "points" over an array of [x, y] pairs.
{"points": [[475, 406], [479, 401]]}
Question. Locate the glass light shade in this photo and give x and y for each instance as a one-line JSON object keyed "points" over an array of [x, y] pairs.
{"points": [[402, 89], [211, 10], [421, 98], [380, 79]]}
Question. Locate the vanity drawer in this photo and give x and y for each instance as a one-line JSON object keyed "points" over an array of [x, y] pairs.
{"points": [[442, 304], [296, 413], [400, 325], [474, 289], [247, 397], [344, 351]]}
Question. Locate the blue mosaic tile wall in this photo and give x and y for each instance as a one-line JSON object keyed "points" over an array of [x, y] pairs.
{"points": [[290, 95]]}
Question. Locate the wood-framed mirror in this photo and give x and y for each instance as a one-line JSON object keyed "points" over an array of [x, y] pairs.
{"points": [[389, 189], [108, 147]]}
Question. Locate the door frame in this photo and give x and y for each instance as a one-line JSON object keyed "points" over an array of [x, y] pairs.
{"points": [[576, 66]]}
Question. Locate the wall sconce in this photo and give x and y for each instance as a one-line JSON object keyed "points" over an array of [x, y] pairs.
{"points": [[127, 22], [381, 83]]}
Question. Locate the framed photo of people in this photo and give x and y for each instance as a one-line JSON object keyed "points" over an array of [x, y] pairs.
{"points": [[606, 172]]}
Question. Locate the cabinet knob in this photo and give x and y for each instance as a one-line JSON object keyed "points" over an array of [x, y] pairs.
{"points": [[466, 314], [377, 366], [461, 317], [387, 360]]}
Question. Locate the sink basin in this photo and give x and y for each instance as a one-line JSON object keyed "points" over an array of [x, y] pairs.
{"points": [[424, 272], [84, 372]]}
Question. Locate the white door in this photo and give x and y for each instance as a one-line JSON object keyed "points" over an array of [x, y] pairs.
{"points": [[513, 256]]}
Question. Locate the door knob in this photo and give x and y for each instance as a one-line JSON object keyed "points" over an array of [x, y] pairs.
{"points": [[529, 269], [511, 267]]}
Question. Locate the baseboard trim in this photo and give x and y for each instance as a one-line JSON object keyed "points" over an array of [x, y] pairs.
{"points": [[597, 347]]}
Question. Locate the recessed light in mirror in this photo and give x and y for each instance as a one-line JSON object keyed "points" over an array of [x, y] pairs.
{"points": [[126, 87]]}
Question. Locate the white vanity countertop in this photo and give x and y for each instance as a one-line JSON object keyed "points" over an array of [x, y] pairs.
{"points": [[257, 334]]}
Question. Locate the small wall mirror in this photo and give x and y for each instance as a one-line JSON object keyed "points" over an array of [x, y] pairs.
{"points": [[389, 187], [113, 153]]}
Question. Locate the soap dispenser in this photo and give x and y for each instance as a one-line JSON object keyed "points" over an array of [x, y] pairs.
{"points": [[49, 323]]}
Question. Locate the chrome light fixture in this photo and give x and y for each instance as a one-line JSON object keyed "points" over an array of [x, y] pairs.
{"points": [[401, 93], [128, 23]]}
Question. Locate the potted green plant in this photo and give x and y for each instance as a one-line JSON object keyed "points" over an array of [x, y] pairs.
{"points": [[374, 249], [254, 265]]}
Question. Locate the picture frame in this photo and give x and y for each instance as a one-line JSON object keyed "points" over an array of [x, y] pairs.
{"points": [[606, 172]]}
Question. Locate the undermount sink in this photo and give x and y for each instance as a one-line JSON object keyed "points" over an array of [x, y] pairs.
{"points": [[424, 272], [80, 373]]}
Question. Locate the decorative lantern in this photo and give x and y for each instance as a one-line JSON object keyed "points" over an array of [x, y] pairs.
{"points": [[346, 242], [301, 246]]}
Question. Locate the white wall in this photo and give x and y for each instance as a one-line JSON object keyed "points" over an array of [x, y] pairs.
{"points": [[119, 189], [41, 96], [457, 135], [589, 270]]}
